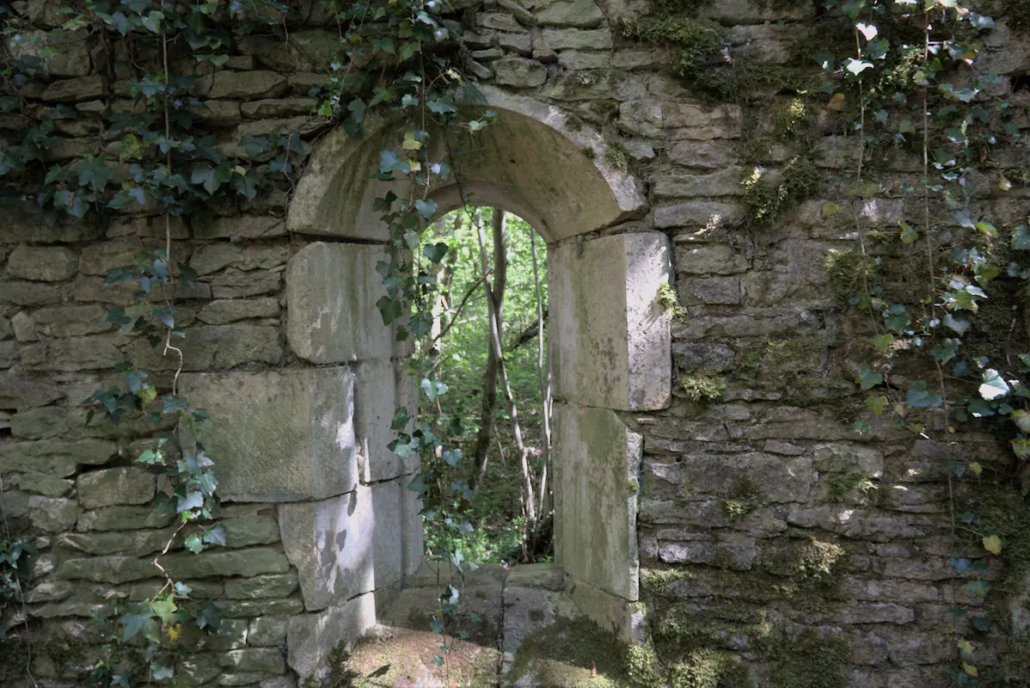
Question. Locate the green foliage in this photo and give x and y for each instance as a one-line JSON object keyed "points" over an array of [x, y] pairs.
{"points": [[744, 498], [703, 387], [669, 300], [800, 179], [615, 156], [849, 271], [842, 484]]}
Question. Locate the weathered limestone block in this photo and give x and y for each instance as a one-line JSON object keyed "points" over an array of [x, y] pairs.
{"points": [[312, 637], [29, 294], [710, 290], [709, 155], [256, 84], [214, 347], [52, 514], [220, 112], [122, 518], [43, 264], [254, 660], [380, 389], [306, 50], [573, 39], [71, 321], [40, 423], [222, 312], [398, 531], [279, 107], [244, 284], [112, 486], [46, 485], [518, 72], [610, 344], [55, 457], [332, 543], [242, 227], [75, 353], [269, 631], [17, 392], [209, 564], [279, 436], [698, 214], [595, 530], [261, 587], [583, 14], [709, 259], [331, 295], [221, 254], [73, 90]]}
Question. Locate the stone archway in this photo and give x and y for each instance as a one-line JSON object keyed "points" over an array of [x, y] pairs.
{"points": [[348, 524]]}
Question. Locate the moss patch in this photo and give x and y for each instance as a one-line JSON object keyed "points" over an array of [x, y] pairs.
{"points": [[744, 498], [710, 669], [669, 300], [848, 271], [807, 660], [705, 387], [568, 653], [766, 201]]}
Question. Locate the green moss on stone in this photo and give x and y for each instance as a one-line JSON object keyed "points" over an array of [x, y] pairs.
{"points": [[669, 300], [706, 668], [807, 660], [703, 387], [657, 581], [744, 498], [566, 655], [842, 484], [848, 270], [615, 156], [765, 201]]}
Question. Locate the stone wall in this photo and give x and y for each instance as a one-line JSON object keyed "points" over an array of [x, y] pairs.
{"points": [[760, 515]]}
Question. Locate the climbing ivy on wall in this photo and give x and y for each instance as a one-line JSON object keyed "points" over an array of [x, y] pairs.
{"points": [[913, 75], [151, 159]]}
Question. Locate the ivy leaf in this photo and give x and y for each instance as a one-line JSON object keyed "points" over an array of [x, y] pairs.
{"points": [[980, 623], [1022, 420], [1021, 238], [435, 252], [960, 565], [957, 323], [215, 535], [908, 233], [830, 209], [883, 342], [987, 228], [977, 587], [209, 617], [159, 672], [897, 318], [433, 388], [992, 543], [194, 544], [390, 309], [946, 350], [856, 67], [400, 419], [868, 378], [919, 397], [426, 209], [993, 386], [876, 404], [192, 500]]}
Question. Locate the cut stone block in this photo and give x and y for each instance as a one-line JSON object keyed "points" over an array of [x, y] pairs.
{"points": [[331, 295], [611, 345], [279, 437], [313, 637], [597, 459], [398, 531], [380, 389], [333, 544]]}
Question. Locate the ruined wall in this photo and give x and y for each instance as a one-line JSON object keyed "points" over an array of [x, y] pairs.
{"points": [[767, 529]]}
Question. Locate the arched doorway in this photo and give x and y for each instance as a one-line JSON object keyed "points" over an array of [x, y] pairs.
{"points": [[348, 524]]}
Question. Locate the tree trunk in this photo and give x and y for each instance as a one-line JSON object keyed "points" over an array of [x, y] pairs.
{"points": [[513, 412], [543, 372], [495, 307]]}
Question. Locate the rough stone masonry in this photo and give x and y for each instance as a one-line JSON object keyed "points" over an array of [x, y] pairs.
{"points": [[762, 510]]}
